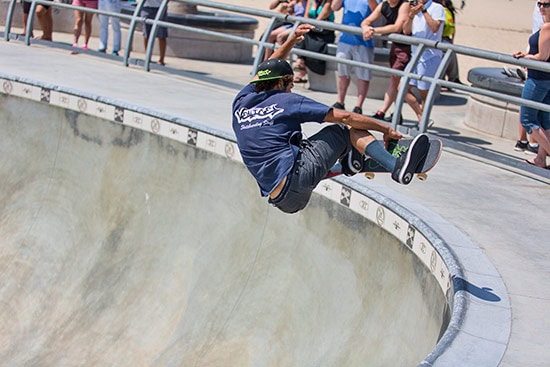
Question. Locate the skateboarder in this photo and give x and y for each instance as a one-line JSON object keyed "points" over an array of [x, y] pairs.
{"points": [[267, 120]]}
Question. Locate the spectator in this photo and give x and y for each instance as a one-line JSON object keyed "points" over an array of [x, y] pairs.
{"points": [[112, 6], [537, 88], [448, 36], [279, 34], [396, 13], [83, 18], [44, 16], [529, 146], [316, 40], [26, 9], [425, 21], [149, 11], [353, 47]]}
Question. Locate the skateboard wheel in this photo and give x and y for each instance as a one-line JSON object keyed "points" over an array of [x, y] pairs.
{"points": [[422, 176], [369, 175]]}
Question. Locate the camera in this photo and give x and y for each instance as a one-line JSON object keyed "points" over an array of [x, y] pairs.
{"points": [[413, 2]]}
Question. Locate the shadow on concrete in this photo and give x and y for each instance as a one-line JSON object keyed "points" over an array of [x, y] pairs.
{"points": [[452, 98], [482, 293]]}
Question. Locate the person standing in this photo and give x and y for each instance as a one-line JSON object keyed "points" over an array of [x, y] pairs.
{"points": [[526, 143], [267, 119], [425, 21], [112, 6], [396, 13], [149, 11], [353, 47], [83, 18], [537, 88], [448, 36]]}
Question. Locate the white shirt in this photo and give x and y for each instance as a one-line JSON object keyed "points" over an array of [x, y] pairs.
{"points": [[420, 28]]}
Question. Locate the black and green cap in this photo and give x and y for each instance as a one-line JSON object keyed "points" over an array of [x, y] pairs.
{"points": [[273, 69]]}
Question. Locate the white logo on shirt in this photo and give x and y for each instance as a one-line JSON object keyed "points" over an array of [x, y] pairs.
{"points": [[257, 116]]}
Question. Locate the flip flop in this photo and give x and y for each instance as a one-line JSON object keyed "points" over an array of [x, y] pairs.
{"points": [[533, 164]]}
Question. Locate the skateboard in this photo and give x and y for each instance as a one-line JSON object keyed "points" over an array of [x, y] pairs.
{"points": [[397, 148]]}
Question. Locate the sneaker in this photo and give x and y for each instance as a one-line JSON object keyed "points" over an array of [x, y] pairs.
{"points": [[408, 162], [378, 115], [102, 50], [358, 110], [520, 146], [531, 149], [339, 106], [115, 53], [352, 162], [85, 47]]}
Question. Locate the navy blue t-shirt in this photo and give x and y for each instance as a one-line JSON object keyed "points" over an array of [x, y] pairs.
{"points": [[264, 123]]}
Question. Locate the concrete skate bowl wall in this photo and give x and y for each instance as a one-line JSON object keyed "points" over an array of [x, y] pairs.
{"points": [[130, 238]]}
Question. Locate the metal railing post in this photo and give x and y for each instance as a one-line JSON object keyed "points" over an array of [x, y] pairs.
{"points": [[131, 29]]}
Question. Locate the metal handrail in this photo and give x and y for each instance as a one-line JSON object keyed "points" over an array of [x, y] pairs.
{"points": [[406, 75]]}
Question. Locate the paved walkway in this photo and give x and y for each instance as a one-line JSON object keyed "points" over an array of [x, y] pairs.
{"points": [[481, 184]]}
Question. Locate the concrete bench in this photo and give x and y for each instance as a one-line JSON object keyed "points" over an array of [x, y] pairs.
{"points": [[491, 115], [328, 82]]}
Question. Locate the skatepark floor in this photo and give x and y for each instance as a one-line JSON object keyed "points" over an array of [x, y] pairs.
{"points": [[481, 185]]}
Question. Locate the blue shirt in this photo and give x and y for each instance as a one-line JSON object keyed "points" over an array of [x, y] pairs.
{"points": [[354, 13], [264, 124]]}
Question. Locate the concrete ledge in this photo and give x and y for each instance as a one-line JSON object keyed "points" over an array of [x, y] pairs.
{"points": [[491, 115]]}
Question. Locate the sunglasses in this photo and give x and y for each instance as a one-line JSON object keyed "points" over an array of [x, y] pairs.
{"points": [[543, 5]]}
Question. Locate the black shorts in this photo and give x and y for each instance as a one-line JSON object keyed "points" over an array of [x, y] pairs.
{"points": [[150, 13], [27, 6], [316, 157]]}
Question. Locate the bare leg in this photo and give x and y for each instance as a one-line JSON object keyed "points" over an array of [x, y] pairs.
{"points": [[87, 28], [362, 90], [416, 107], [543, 138], [79, 19], [162, 50], [44, 16], [343, 84], [391, 94]]}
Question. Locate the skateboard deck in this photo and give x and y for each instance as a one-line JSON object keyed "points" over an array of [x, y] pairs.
{"points": [[397, 148]]}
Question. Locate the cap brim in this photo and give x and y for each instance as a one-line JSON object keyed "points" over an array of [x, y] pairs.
{"points": [[265, 79]]}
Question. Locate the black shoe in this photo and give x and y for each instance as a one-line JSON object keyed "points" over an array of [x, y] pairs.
{"points": [[410, 159], [531, 149], [390, 119], [358, 110], [520, 146], [378, 115], [352, 162], [339, 106]]}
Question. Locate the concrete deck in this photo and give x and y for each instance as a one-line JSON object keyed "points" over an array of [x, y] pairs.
{"points": [[481, 185]]}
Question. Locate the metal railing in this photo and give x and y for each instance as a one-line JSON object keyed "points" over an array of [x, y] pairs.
{"points": [[406, 75]]}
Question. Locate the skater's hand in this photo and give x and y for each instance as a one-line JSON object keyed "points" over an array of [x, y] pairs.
{"points": [[392, 135], [302, 29]]}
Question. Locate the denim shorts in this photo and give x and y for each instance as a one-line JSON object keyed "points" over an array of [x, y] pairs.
{"points": [[425, 68], [316, 157], [538, 91]]}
